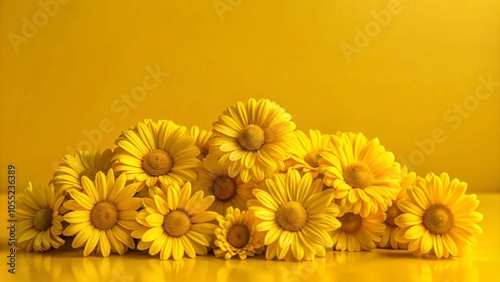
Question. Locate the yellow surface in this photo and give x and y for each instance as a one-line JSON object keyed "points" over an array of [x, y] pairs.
{"points": [[423, 76], [67, 264]]}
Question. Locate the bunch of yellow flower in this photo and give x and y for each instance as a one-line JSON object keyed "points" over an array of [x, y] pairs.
{"points": [[253, 184]]}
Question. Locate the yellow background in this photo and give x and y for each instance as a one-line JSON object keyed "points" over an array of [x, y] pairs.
{"points": [[73, 70]]}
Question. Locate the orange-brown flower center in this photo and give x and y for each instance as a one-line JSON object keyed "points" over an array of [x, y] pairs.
{"points": [[90, 173], [438, 219], [42, 219], [104, 215], [176, 223], [238, 236], [312, 158], [291, 216], [157, 162], [251, 138], [224, 188], [350, 222], [392, 212], [358, 175]]}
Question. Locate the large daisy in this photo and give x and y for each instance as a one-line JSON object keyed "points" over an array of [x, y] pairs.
{"points": [[103, 215], [296, 216], [253, 138], [389, 239], [156, 151], [39, 219], [69, 173], [306, 152], [438, 218], [228, 191], [358, 233], [175, 223], [236, 235], [364, 175]]}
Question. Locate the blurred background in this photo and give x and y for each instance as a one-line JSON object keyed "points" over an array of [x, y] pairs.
{"points": [[422, 76]]}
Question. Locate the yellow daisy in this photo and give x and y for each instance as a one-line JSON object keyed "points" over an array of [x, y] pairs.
{"points": [[296, 216], [69, 173], [439, 218], [103, 215], [156, 151], [39, 219], [174, 222], [389, 239], [364, 175], [203, 140], [228, 191], [236, 235], [307, 150], [254, 138], [358, 233]]}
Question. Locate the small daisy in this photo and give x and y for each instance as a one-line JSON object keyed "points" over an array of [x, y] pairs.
{"points": [[389, 240], [228, 191], [69, 173], [103, 215], [439, 218], [174, 222], [307, 150], [156, 151], [253, 138], [296, 216], [364, 175], [236, 235], [203, 140], [358, 233], [39, 219]]}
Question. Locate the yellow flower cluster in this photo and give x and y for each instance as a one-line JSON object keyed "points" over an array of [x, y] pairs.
{"points": [[253, 184]]}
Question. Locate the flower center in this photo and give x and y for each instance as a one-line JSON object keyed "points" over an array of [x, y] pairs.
{"points": [[203, 153], [438, 219], [312, 158], [104, 215], [391, 213], [157, 162], [358, 175], [176, 223], [350, 222], [251, 138], [90, 173], [42, 219], [224, 188], [238, 236], [291, 216]]}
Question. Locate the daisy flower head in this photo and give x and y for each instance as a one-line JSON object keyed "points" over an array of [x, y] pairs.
{"points": [[306, 152], [364, 175], [69, 173], [296, 216], [39, 218], [175, 223], [153, 152], [103, 214], [358, 233], [253, 139], [389, 238], [236, 235], [438, 218], [203, 140], [228, 191]]}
